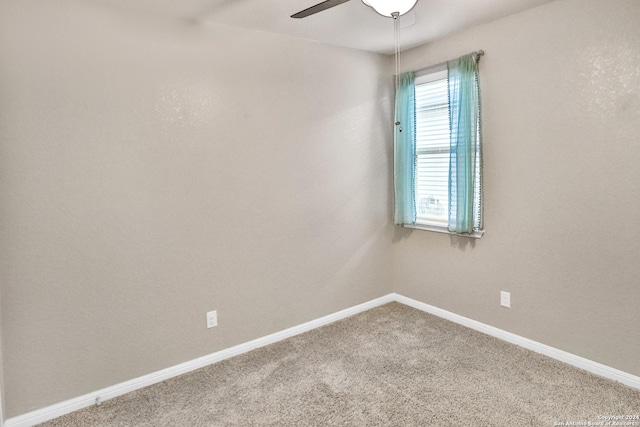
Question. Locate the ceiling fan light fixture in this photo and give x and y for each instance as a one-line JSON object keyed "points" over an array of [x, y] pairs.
{"points": [[389, 7]]}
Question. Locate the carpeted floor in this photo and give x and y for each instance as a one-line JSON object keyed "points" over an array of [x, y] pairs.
{"points": [[390, 366]]}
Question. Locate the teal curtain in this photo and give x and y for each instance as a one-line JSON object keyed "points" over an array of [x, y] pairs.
{"points": [[465, 161], [404, 150]]}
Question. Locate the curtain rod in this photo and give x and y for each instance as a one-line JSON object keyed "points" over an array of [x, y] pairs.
{"points": [[478, 54]]}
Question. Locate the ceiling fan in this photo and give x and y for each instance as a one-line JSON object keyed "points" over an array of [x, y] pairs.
{"points": [[388, 8]]}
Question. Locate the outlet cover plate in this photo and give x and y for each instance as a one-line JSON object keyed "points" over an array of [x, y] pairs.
{"points": [[505, 299], [212, 319]]}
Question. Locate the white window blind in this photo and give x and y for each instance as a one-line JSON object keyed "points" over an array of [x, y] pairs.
{"points": [[432, 149]]}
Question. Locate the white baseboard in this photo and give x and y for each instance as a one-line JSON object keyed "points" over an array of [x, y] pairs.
{"points": [[57, 410], [50, 412], [554, 353]]}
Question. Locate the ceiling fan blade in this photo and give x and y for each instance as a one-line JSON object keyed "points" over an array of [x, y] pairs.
{"points": [[318, 8]]}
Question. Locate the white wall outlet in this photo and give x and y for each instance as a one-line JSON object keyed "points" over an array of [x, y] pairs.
{"points": [[505, 299], [212, 319]]}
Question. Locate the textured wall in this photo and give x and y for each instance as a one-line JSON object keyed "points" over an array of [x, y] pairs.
{"points": [[1, 373], [561, 94], [153, 170]]}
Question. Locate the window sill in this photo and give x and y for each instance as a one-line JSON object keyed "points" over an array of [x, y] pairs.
{"points": [[434, 228]]}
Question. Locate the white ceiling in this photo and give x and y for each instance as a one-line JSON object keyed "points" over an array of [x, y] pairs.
{"points": [[351, 24]]}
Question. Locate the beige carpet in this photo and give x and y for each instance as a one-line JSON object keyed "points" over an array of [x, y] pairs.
{"points": [[390, 366]]}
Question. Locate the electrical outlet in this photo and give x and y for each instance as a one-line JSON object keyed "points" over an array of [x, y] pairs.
{"points": [[505, 299], [212, 319]]}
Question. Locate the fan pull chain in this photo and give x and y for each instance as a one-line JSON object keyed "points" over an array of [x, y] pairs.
{"points": [[396, 39]]}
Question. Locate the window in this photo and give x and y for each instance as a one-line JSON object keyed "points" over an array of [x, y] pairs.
{"points": [[439, 165], [432, 149]]}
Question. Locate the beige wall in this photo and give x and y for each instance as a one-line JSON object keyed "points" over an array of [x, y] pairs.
{"points": [[1, 373], [560, 87], [154, 170]]}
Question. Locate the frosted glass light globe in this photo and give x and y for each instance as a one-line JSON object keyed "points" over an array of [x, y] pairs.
{"points": [[388, 7]]}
